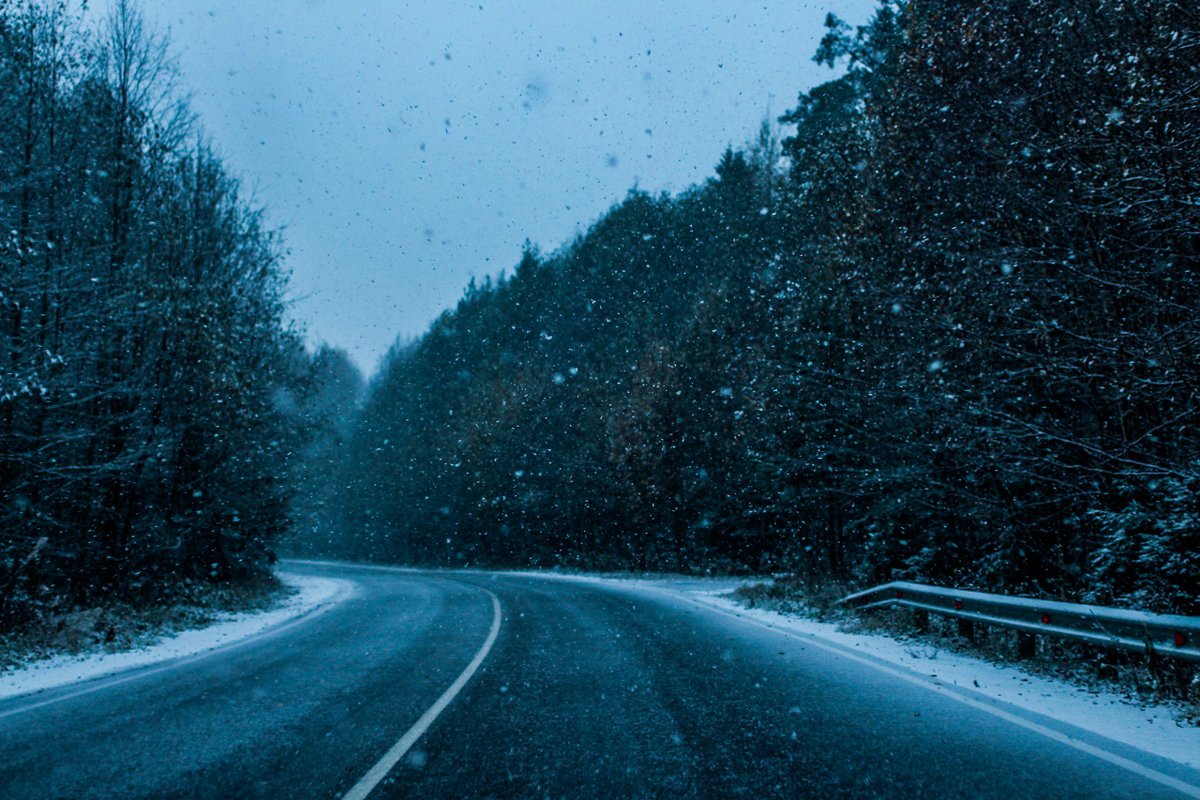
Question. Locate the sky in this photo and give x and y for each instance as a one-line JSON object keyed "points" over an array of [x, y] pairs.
{"points": [[406, 147]]}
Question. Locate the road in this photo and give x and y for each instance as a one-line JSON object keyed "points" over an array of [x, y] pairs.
{"points": [[581, 691]]}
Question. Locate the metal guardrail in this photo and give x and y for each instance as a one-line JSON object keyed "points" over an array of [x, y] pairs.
{"points": [[1165, 634]]}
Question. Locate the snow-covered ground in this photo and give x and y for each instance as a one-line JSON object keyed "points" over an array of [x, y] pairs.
{"points": [[1152, 728], [310, 594]]}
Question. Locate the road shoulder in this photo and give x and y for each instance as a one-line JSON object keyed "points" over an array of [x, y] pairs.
{"points": [[1152, 728], [309, 595]]}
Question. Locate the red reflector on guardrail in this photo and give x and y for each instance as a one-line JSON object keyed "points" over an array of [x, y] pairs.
{"points": [[899, 594], [1180, 639], [958, 605], [1045, 619]]}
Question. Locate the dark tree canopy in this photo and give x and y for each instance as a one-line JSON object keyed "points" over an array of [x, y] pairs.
{"points": [[946, 329], [142, 345], [951, 335]]}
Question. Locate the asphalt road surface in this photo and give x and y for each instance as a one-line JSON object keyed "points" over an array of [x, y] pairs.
{"points": [[482, 685]]}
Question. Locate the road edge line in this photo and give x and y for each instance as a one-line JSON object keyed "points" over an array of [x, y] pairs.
{"points": [[1185, 788], [384, 765]]}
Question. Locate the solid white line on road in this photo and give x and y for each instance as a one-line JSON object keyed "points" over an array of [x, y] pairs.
{"points": [[392, 757], [1187, 789]]}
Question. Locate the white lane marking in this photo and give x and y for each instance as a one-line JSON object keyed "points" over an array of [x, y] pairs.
{"points": [[392, 757], [1187, 789]]}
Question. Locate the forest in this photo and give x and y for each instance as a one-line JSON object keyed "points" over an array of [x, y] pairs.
{"points": [[940, 321], [151, 393], [947, 328]]}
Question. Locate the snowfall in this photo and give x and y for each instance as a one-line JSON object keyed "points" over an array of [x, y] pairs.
{"points": [[310, 595], [1156, 729]]}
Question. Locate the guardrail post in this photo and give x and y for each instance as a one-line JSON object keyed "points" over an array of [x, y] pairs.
{"points": [[1164, 635]]}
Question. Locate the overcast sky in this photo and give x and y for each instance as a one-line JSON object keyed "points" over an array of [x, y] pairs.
{"points": [[408, 146]]}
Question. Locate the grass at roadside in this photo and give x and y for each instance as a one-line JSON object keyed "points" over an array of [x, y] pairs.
{"points": [[1138, 677], [117, 626]]}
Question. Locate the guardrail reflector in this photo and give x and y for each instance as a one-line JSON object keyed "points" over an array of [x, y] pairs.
{"points": [[958, 605], [1045, 619], [1180, 639]]}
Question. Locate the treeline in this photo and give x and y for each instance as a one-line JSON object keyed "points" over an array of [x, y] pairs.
{"points": [[143, 356], [956, 338]]}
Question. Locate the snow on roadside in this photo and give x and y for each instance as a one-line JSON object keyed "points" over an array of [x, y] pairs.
{"points": [[1152, 728], [1148, 727], [310, 593]]}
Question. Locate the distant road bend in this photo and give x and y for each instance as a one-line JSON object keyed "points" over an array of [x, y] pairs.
{"points": [[490, 685]]}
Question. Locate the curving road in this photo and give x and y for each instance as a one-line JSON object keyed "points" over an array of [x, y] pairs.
{"points": [[415, 687]]}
